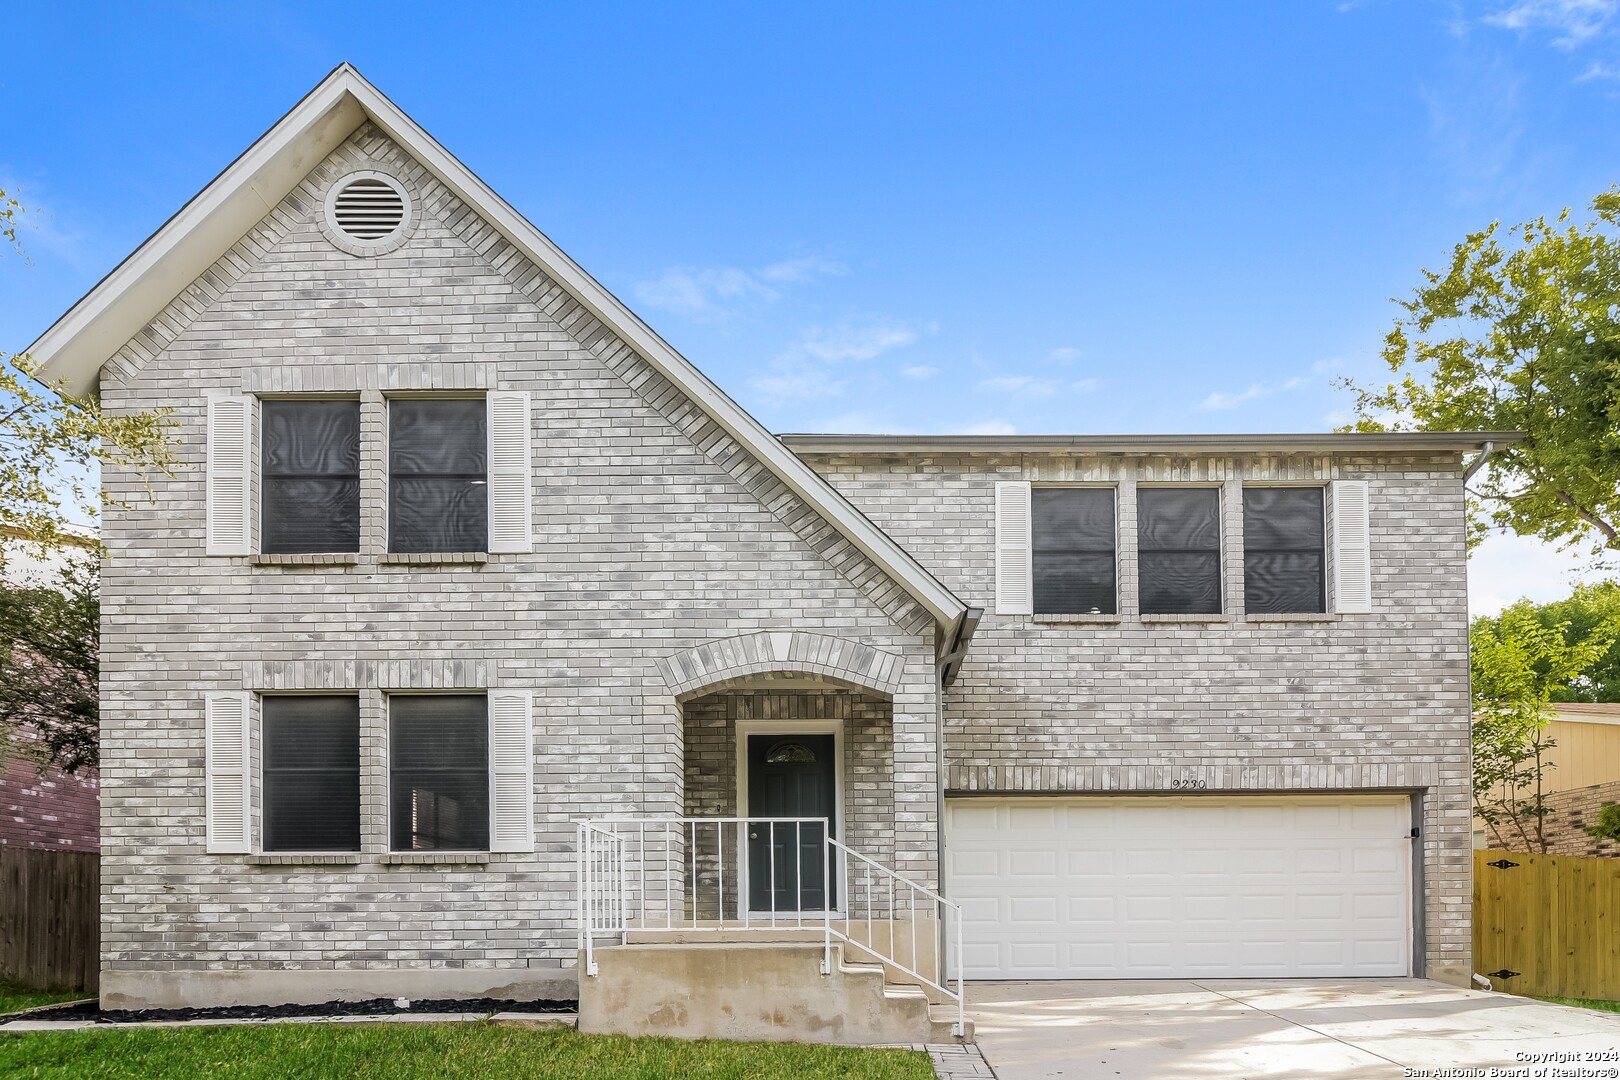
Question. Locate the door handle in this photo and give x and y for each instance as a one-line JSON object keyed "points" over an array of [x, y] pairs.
{"points": [[753, 836]]}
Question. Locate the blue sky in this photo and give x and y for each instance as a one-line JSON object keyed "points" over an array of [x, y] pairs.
{"points": [[895, 217]]}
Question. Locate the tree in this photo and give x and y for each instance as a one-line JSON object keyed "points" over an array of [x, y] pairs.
{"points": [[1521, 332], [1581, 615], [1517, 664], [51, 445], [1608, 823], [50, 664]]}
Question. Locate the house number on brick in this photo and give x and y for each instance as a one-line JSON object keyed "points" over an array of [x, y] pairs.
{"points": [[1189, 782]]}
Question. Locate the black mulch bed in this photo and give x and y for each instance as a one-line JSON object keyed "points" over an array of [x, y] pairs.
{"points": [[91, 1011]]}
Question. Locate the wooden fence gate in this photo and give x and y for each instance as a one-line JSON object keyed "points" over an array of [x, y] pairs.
{"points": [[1548, 925], [50, 918]]}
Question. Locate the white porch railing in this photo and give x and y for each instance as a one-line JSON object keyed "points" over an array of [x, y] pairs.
{"points": [[718, 875]]}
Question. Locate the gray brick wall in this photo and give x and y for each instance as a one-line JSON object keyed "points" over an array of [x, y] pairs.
{"points": [[654, 532], [1246, 703]]}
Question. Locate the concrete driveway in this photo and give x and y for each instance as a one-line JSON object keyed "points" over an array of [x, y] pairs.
{"points": [[1354, 1029]]}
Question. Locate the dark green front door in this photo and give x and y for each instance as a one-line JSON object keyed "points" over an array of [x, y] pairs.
{"points": [[792, 776]]}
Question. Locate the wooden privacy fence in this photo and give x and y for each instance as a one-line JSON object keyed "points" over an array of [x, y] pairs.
{"points": [[50, 905], [1548, 925]]}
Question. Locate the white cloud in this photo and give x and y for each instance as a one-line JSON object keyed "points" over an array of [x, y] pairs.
{"points": [[712, 293], [919, 372], [990, 427], [1063, 355], [1035, 386], [1572, 22], [1598, 71], [1506, 568], [854, 342], [810, 365], [1220, 400], [793, 271]]}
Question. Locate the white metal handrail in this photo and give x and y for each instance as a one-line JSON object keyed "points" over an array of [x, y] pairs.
{"points": [[709, 875]]}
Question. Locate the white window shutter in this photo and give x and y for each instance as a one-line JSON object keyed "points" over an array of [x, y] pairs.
{"points": [[229, 802], [511, 473], [1351, 551], [1015, 589], [511, 771], [230, 474]]}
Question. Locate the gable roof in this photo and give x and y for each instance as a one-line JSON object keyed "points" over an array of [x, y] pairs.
{"points": [[71, 353]]}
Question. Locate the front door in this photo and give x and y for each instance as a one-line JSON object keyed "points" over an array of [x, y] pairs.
{"points": [[793, 776]]}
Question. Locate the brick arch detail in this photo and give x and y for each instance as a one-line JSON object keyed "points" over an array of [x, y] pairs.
{"points": [[726, 660]]}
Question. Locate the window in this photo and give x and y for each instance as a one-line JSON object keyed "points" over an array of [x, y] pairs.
{"points": [[1179, 550], [437, 485], [1072, 552], [1284, 553], [439, 772], [311, 773], [311, 476]]}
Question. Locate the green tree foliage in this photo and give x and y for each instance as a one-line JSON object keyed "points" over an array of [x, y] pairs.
{"points": [[50, 665], [1608, 823], [1521, 332], [51, 445], [1585, 613], [1517, 664]]}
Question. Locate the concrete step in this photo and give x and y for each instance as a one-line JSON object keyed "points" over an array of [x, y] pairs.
{"points": [[762, 991]]}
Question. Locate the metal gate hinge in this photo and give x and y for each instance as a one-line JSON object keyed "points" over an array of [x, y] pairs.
{"points": [[1502, 864]]}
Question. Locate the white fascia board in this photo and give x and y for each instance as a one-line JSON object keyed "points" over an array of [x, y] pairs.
{"points": [[804, 481], [71, 352]]}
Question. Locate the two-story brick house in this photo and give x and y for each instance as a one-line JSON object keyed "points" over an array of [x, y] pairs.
{"points": [[462, 555]]}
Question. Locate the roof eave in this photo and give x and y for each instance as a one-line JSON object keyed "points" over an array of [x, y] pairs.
{"points": [[1384, 441]]}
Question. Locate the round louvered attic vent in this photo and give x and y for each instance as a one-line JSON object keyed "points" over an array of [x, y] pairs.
{"points": [[368, 210], [367, 213]]}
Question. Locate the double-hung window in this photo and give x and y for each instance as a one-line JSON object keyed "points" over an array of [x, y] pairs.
{"points": [[1178, 550], [1284, 550], [310, 475], [438, 746], [1072, 550], [438, 476], [311, 756]]}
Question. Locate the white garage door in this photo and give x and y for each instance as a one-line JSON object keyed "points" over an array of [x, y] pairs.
{"points": [[1181, 886]]}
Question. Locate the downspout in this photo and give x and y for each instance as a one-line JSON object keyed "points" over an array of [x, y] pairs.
{"points": [[1474, 466], [948, 667]]}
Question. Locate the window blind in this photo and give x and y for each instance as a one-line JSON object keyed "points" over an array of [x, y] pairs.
{"points": [[1073, 550], [311, 476], [438, 491], [1284, 550], [439, 772], [1179, 550], [311, 772]]}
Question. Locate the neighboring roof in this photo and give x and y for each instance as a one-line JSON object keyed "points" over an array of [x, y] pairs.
{"points": [[1390, 441], [1599, 712], [73, 350]]}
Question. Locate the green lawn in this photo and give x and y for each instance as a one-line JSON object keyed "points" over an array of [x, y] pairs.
{"points": [[431, 1051], [1584, 1003], [14, 997]]}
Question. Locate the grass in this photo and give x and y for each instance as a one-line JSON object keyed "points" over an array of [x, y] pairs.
{"points": [[14, 997], [1584, 1003], [431, 1051]]}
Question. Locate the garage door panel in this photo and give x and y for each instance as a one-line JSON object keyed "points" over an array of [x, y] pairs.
{"points": [[1126, 887]]}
